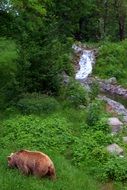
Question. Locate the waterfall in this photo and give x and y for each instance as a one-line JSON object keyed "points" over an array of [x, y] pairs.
{"points": [[87, 59]]}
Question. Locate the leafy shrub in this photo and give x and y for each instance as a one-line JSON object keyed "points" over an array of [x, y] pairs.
{"points": [[75, 93], [36, 103], [94, 113], [101, 138], [90, 148], [102, 125], [33, 132], [115, 169], [94, 90]]}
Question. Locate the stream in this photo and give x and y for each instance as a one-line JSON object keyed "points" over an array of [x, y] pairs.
{"points": [[115, 98], [87, 59]]}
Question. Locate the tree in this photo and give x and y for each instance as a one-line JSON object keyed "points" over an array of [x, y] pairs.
{"points": [[8, 70], [121, 14], [76, 18]]}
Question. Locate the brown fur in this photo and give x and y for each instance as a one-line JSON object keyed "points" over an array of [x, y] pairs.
{"points": [[32, 162]]}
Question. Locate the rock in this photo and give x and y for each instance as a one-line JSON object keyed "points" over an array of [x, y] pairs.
{"points": [[109, 86], [111, 80], [116, 129], [115, 124], [125, 140], [110, 109], [116, 106], [115, 149], [66, 78], [114, 121], [96, 52]]}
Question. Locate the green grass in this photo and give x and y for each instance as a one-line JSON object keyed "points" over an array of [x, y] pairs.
{"points": [[68, 177], [50, 134], [76, 149]]}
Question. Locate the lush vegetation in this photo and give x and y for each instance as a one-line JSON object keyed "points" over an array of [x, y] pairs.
{"points": [[40, 110], [75, 138], [111, 61]]}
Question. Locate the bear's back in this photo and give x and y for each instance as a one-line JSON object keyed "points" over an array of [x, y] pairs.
{"points": [[34, 155]]}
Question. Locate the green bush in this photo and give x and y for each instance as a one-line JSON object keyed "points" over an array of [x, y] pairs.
{"points": [[101, 124], [34, 132], [94, 90], [94, 113], [37, 103], [75, 93], [90, 148], [115, 169]]}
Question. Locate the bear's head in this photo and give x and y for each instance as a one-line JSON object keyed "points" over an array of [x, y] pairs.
{"points": [[11, 162]]}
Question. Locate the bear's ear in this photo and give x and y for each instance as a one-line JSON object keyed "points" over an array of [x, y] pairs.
{"points": [[9, 158]]}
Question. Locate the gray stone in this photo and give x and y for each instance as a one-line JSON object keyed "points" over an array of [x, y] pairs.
{"points": [[116, 106], [116, 129], [115, 124], [114, 121], [66, 78], [111, 80], [115, 149]]}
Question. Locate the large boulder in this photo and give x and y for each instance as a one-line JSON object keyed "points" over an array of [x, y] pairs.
{"points": [[115, 149], [115, 124]]}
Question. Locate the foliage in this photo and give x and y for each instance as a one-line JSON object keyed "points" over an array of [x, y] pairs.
{"points": [[75, 93], [94, 90], [65, 132], [112, 61], [115, 169], [94, 113], [8, 71], [37, 103], [37, 133], [72, 22], [44, 65], [101, 124], [87, 148]]}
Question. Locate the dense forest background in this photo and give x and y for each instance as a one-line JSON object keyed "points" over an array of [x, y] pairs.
{"points": [[36, 39]]}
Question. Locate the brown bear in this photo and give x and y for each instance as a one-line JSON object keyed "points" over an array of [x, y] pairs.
{"points": [[32, 162]]}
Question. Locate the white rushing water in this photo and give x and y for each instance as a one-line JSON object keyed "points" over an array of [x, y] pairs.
{"points": [[86, 61]]}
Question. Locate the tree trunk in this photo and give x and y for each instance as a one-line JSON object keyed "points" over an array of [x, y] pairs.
{"points": [[105, 15], [121, 28]]}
